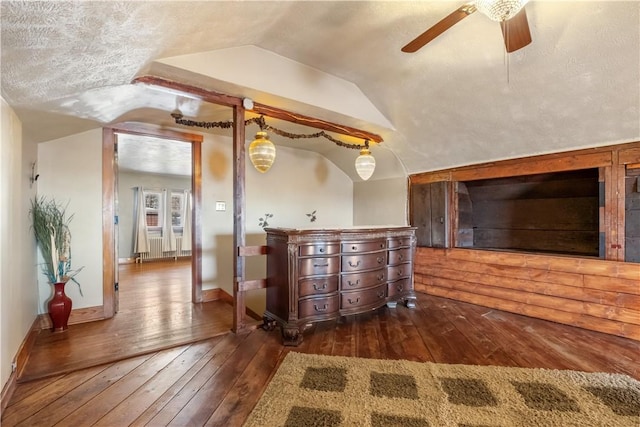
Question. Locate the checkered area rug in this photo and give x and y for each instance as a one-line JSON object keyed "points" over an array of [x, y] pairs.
{"points": [[311, 390]]}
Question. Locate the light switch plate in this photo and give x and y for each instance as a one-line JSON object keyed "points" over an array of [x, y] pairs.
{"points": [[221, 206]]}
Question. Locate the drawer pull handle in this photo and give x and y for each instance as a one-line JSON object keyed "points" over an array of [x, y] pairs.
{"points": [[400, 257], [354, 248], [321, 250], [380, 277], [354, 302], [323, 287], [350, 283], [354, 265], [379, 259], [321, 265], [399, 273], [381, 245], [400, 288], [381, 294], [324, 308]]}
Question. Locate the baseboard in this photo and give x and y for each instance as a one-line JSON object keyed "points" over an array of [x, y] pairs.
{"points": [[20, 362], [79, 315], [211, 294], [219, 294]]}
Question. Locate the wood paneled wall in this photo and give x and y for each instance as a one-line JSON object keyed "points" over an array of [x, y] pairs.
{"points": [[598, 295]]}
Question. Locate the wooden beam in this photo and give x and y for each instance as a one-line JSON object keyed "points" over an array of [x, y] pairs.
{"points": [[182, 88], [252, 250], [301, 119], [239, 228], [274, 112], [250, 285]]}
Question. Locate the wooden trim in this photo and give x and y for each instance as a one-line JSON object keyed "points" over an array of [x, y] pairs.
{"points": [[633, 166], [252, 250], [239, 213], [108, 226], [78, 315], [211, 295], [252, 285], [629, 156], [108, 202], [196, 220], [224, 296], [301, 119], [156, 131], [619, 174], [274, 112], [544, 163]]}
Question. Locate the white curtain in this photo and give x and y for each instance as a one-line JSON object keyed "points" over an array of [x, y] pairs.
{"points": [[186, 222], [168, 236], [141, 237]]}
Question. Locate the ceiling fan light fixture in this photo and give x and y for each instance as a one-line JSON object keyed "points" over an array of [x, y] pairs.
{"points": [[262, 152], [500, 10], [365, 163]]}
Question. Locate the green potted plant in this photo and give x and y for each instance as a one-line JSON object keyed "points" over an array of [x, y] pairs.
{"points": [[50, 225]]}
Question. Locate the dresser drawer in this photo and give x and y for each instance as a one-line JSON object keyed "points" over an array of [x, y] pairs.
{"points": [[399, 271], [358, 247], [353, 300], [317, 286], [399, 287], [363, 280], [398, 256], [319, 249], [318, 306], [318, 266], [398, 242], [363, 262]]}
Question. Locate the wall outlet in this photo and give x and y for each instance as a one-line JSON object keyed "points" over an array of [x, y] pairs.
{"points": [[221, 206]]}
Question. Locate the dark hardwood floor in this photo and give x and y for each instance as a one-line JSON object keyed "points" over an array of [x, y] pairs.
{"points": [[217, 381]]}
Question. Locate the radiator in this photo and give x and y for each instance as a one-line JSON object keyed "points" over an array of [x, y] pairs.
{"points": [[155, 250]]}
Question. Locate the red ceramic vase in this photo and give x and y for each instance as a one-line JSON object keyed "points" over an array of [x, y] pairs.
{"points": [[59, 308]]}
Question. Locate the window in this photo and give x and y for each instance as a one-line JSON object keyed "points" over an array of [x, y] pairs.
{"points": [[153, 208], [177, 208]]}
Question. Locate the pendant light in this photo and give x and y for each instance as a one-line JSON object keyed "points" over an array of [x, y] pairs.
{"points": [[262, 152], [365, 163]]}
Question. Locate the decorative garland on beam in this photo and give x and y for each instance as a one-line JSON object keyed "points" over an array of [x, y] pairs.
{"points": [[260, 121]]}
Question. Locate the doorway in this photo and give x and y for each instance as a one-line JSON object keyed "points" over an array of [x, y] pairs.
{"points": [[153, 227], [149, 144]]}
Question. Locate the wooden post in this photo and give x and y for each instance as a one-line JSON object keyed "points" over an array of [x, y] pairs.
{"points": [[239, 230]]}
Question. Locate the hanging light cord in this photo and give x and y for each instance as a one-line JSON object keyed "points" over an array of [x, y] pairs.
{"points": [[260, 121]]}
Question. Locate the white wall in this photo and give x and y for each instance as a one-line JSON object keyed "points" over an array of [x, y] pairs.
{"points": [[71, 172], [18, 286], [380, 202], [298, 183], [127, 181]]}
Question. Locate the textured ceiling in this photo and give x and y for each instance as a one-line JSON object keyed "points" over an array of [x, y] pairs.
{"points": [[67, 67]]}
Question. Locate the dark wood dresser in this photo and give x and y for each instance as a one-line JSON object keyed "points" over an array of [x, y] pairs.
{"points": [[321, 274]]}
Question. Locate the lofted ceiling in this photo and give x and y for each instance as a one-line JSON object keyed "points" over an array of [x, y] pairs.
{"points": [[68, 67]]}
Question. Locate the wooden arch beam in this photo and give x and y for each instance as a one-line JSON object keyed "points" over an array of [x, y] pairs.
{"points": [[273, 112]]}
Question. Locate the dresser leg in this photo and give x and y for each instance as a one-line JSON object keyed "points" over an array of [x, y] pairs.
{"points": [[291, 336]]}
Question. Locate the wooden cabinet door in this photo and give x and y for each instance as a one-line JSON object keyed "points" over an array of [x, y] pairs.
{"points": [[429, 213]]}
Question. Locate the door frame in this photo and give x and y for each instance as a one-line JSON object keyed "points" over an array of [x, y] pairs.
{"points": [[109, 261]]}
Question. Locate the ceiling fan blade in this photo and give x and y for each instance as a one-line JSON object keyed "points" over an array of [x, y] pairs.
{"points": [[516, 32], [442, 26]]}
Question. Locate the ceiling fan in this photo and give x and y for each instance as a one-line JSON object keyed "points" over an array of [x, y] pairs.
{"points": [[510, 13]]}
